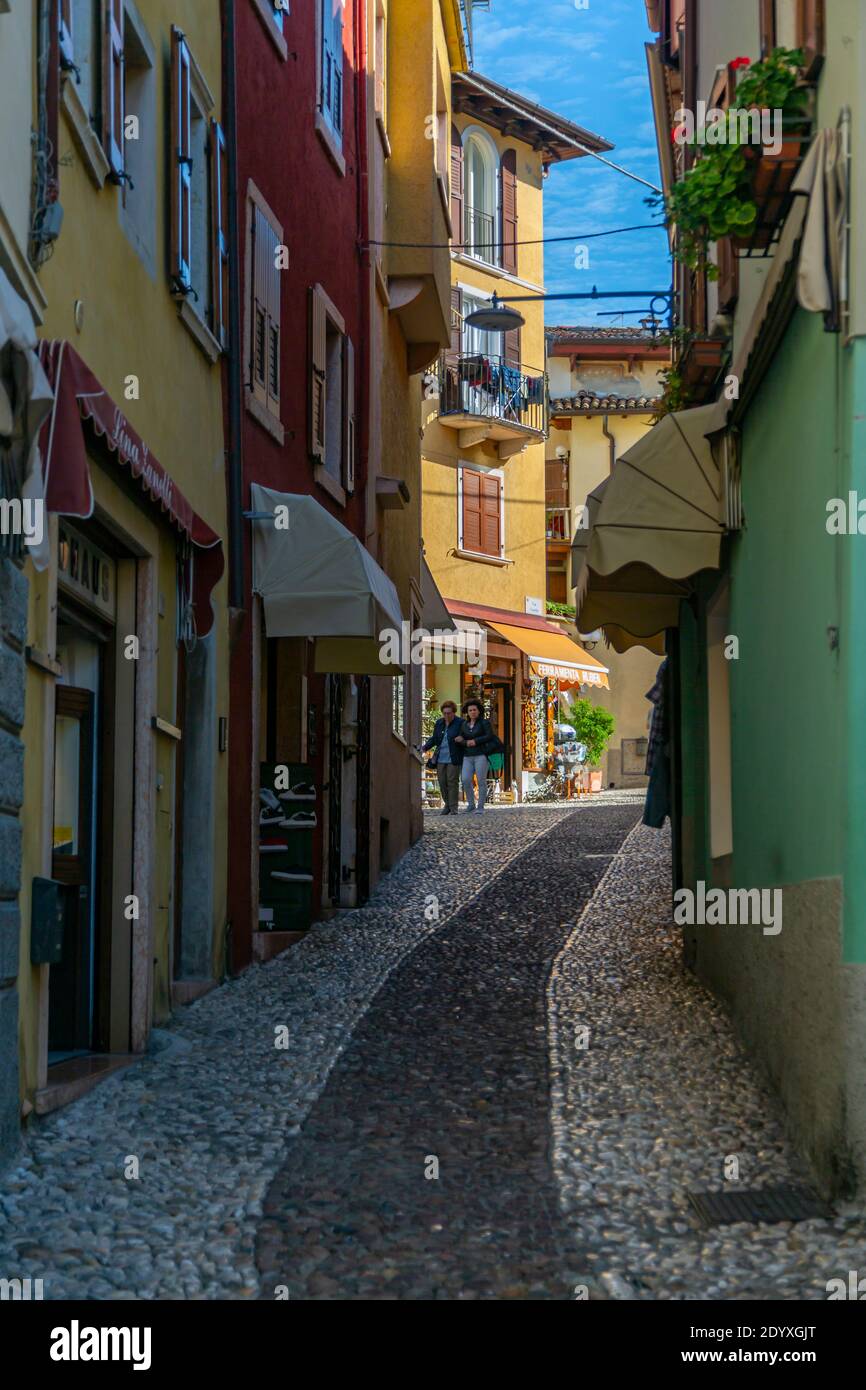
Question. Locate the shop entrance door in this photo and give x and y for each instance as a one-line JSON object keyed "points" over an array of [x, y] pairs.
{"points": [[72, 982], [499, 701]]}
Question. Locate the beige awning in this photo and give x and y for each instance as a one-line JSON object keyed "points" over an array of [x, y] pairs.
{"points": [[655, 522], [662, 505], [317, 580]]}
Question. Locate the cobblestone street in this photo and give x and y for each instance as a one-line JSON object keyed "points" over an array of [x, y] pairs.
{"points": [[418, 1044]]}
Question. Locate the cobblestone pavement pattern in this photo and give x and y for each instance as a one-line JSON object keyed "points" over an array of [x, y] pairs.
{"points": [[436, 1023]]}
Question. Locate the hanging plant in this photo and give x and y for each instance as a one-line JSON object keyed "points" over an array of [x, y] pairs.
{"points": [[715, 197]]}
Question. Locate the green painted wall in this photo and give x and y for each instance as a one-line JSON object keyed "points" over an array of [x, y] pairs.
{"points": [[786, 687]]}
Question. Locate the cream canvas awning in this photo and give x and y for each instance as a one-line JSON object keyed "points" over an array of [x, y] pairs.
{"points": [[662, 505], [317, 580], [654, 523]]}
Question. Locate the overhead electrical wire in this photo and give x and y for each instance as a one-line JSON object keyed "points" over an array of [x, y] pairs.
{"points": [[538, 241]]}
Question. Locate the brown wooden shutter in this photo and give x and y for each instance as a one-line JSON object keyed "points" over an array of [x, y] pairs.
{"points": [[491, 509], [180, 164], [811, 35], [456, 319], [729, 275], [768, 26], [265, 316], [458, 233], [556, 482], [348, 415], [112, 85], [219, 234], [472, 528], [508, 207], [512, 348], [318, 374]]}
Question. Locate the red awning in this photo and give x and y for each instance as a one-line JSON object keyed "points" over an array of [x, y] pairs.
{"points": [[78, 395]]}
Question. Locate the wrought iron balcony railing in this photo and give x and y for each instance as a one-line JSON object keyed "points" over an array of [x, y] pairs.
{"points": [[486, 387], [480, 236]]}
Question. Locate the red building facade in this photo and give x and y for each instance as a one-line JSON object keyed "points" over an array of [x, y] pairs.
{"points": [[307, 694]]}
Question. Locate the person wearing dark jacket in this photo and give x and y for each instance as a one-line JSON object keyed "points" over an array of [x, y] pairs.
{"points": [[448, 755], [477, 739]]}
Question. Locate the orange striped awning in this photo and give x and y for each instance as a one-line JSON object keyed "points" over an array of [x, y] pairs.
{"points": [[554, 656]]}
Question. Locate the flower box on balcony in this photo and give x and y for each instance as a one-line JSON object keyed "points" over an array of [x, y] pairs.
{"points": [[699, 366], [773, 175]]}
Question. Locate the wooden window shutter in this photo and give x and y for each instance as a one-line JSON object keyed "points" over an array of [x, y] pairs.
{"points": [[318, 374], [181, 164], [508, 206], [456, 319], [64, 32], [349, 442], [472, 529], [457, 198], [265, 317], [332, 62], [491, 512], [219, 234], [112, 88], [811, 26], [512, 348], [768, 26], [729, 275]]}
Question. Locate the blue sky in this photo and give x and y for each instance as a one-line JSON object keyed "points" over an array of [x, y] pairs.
{"points": [[588, 65]]}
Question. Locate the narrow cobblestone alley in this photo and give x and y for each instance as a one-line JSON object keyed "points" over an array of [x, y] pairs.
{"points": [[562, 1170]]}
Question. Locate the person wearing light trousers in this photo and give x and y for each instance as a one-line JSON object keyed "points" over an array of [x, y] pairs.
{"points": [[476, 736]]}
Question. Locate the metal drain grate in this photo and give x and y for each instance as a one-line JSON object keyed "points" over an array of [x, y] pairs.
{"points": [[758, 1204]]}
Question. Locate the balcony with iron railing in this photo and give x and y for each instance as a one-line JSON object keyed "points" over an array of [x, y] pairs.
{"points": [[484, 397]]}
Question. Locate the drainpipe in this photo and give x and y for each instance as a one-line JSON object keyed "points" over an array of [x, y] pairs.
{"points": [[362, 397], [233, 367], [611, 441]]}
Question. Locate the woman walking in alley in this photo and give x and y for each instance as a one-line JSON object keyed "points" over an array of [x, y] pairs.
{"points": [[478, 739]]}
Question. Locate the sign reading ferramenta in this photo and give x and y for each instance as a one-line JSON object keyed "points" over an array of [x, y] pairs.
{"points": [[552, 671]]}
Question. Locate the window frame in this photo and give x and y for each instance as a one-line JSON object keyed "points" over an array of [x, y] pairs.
{"points": [[474, 136], [273, 14]]}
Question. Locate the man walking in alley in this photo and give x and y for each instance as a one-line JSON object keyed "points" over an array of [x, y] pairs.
{"points": [[447, 756]]}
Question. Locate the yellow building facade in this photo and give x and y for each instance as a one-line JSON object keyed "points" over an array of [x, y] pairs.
{"points": [[604, 390], [125, 785], [408, 158], [484, 416]]}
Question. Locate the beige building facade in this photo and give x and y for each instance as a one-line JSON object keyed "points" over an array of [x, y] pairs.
{"points": [[604, 391]]}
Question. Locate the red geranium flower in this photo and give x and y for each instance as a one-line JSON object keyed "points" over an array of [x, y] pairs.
{"points": [[741, 63]]}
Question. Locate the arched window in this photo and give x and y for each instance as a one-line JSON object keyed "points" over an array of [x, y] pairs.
{"points": [[481, 179]]}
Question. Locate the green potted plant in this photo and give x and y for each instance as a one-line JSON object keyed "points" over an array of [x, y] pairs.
{"points": [[737, 189], [594, 726]]}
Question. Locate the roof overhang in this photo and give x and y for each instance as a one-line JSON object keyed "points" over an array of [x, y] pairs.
{"points": [[508, 112]]}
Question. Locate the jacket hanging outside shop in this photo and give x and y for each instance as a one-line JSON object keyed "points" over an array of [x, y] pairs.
{"points": [[658, 764]]}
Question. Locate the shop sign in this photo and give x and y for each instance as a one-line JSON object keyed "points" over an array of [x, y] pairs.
{"points": [[549, 670], [85, 571]]}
